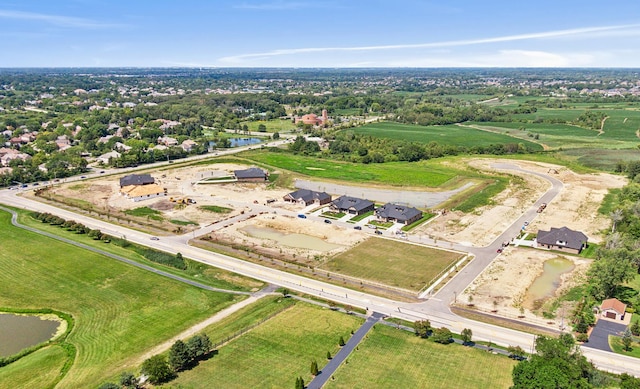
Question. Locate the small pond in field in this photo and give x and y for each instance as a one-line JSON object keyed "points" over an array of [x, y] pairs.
{"points": [[291, 240], [548, 282], [21, 331], [238, 142]]}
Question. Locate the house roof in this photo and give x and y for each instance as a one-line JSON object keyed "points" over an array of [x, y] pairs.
{"points": [[252, 172], [136, 179], [614, 304], [307, 195], [142, 190], [572, 239], [348, 202], [398, 212]]}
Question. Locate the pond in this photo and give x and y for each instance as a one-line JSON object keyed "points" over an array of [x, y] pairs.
{"points": [[547, 283], [237, 142], [21, 331], [291, 240]]}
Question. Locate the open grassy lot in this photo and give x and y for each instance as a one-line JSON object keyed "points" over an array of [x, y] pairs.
{"points": [[276, 125], [446, 135], [389, 358], [418, 174], [392, 263], [616, 345], [273, 354], [196, 271], [115, 306], [37, 370]]}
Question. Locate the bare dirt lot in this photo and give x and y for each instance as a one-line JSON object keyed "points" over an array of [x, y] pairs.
{"points": [[576, 207]]}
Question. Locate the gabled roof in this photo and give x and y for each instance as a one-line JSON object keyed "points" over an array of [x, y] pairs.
{"points": [[307, 195], [572, 239], [252, 172], [136, 179], [398, 212], [348, 202], [614, 304]]}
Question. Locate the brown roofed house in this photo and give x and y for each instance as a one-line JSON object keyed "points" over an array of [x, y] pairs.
{"points": [[613, 309]]}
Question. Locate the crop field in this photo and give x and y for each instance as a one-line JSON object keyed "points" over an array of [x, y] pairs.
{"points": [[114, 305], [417, 174], [447, 135], [389, 358], [273, 354], [37, 370], [393, 263]]}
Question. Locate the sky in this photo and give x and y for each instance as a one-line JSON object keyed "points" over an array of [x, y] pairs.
{"points": [[314, 33]]}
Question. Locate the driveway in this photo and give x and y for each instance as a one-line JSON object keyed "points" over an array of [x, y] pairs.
{"points": [[599, 338]]}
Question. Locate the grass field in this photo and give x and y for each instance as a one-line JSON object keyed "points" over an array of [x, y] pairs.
{"points": [[114, 305], [37, 370], [273, 354], [195, 270], [417, 174], [446, 135], [145, 212], [276, 125], [616, 345], [392, 263], [389, 358], [215, 209]]}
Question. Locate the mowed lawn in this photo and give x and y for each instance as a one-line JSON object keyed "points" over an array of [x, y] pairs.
{"points": [[418, 174], [37, 370], [447, 135], [273, 354], [393, 263], [390, 358], [120, 311]]}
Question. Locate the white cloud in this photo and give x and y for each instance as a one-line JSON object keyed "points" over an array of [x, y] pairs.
{"points": [[577, 32], [57, 20]]}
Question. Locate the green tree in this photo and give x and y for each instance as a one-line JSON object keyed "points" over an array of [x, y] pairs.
{"points": [[635, 328], [157, 369], [314, 368], [262, 128], [613, 268], [629, 382], [341, 341], [128, 380], [299, 383], [329, 355], [422, 328], [275, 136], [179, 356], [627, 340], [442, 335], [199, 346], [109, 385], [466, 335], [558, 363], [515, 352]]}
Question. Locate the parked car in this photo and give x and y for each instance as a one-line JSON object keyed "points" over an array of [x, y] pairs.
{"points": [[357, 227], [301, 216], [378, 232], [327, 221], [499, 250], [155, 238]]}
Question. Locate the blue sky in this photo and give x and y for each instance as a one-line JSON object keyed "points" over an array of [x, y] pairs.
{"points": [[331, 33]]}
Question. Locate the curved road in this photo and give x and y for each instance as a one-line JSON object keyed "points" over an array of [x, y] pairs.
{"points": [[436, 309]]}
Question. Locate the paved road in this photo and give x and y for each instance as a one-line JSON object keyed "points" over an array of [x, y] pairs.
{"points": [[436, 309], [345, 351]]}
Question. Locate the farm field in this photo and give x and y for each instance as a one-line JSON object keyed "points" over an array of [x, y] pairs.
{"points": [[417, 174], [273, 354], [37, 370], [113, 304], [451, 135], [389, 358], [393, 263]]}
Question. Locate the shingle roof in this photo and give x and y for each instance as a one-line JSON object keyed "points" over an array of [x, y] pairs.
{"points": [[572, 239], [398, 212], [347, 202], [141, 190], [136, 179], [252, 172], [614, 304], [307, 195]]}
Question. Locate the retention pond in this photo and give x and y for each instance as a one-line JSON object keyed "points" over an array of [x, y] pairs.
{"points": [[18, 332], [548, 282]]}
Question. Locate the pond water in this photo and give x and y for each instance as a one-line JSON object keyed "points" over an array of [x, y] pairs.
{"points": [[548, 282], [21, 331], [237, 142], [291, 240]]}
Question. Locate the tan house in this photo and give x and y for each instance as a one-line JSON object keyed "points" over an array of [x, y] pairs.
{"points": [[613, 309], [142, 192]]}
